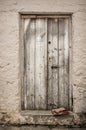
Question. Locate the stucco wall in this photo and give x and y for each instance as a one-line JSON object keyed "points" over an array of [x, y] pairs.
{"points": [[9, 48]]}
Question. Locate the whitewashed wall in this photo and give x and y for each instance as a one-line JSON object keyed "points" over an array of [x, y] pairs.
{"points": [[9, 48]]}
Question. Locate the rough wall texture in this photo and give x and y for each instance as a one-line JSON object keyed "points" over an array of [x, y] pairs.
{"points": [[10, 98]]}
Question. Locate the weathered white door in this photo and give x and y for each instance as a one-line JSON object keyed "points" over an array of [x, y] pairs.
{"points": [[46, 63]]}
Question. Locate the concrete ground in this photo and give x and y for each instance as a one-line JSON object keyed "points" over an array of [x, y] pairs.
{"points": [[37, 128]]}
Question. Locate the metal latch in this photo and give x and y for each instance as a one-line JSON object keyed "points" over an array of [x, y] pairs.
{"points": [[54, 67]]}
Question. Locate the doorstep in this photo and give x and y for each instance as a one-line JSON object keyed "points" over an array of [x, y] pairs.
{"points": [[42, 118], [46, 118]]}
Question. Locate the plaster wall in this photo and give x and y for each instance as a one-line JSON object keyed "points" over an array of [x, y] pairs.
{"points": [[10, 98]]}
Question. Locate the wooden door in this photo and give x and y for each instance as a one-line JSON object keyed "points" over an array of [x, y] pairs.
{"points": [[46, 63]]}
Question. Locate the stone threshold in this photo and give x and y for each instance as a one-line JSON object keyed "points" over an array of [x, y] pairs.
{"points": [[46, 118], [43, 118]]}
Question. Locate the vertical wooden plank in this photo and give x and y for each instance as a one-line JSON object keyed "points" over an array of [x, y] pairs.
{"points": [[61, 53], [22, 63], [46, 64], [26, 24], [52, 63], [63, 64], [50, 45], [41, 44], [30, 62], [70, 63], [66, 66], [43, 63], [55, 62], [37, 65]]}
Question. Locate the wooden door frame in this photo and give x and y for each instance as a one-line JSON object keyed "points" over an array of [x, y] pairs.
{"points": [[21, 55]]}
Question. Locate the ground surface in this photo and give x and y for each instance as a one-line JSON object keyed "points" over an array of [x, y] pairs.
{"points": [[37, 128]]}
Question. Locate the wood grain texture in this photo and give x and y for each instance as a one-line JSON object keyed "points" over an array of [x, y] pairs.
{"points": [[55, 70], [47, 63], [22, 64], [52, 61], [25, 63], [30, 42], [70, 63], [66, 66], [41, 44], [63, 63], [61, 54]]}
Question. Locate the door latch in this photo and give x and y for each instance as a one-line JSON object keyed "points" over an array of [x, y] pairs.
{"points": [[54, 67]]}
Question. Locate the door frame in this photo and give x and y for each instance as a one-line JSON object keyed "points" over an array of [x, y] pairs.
{"points": [[21, 56]]}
